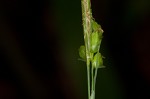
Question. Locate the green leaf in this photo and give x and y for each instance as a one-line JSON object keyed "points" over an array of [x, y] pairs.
{"points": [[82, 52], [98, 61]]}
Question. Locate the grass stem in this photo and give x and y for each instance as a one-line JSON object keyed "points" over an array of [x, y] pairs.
{"points": [[86, 18]]}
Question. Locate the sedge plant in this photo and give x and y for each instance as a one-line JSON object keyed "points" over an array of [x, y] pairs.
{"points": [[89, 52]]}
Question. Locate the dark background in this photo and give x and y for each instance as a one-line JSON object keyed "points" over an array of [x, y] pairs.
{"points": [[39, 41]]}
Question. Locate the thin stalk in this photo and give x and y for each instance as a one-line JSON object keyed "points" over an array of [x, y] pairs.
{"points": [[95, 76], [86, 18], [88, 79], [92, 78]]}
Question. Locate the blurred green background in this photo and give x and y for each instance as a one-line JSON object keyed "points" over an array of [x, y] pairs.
{"points": [[39, 41]]}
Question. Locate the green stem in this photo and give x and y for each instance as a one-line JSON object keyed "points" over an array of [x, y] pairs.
{"points": [[86, 18], [95, 76], [88, 79], [92, 79]]}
